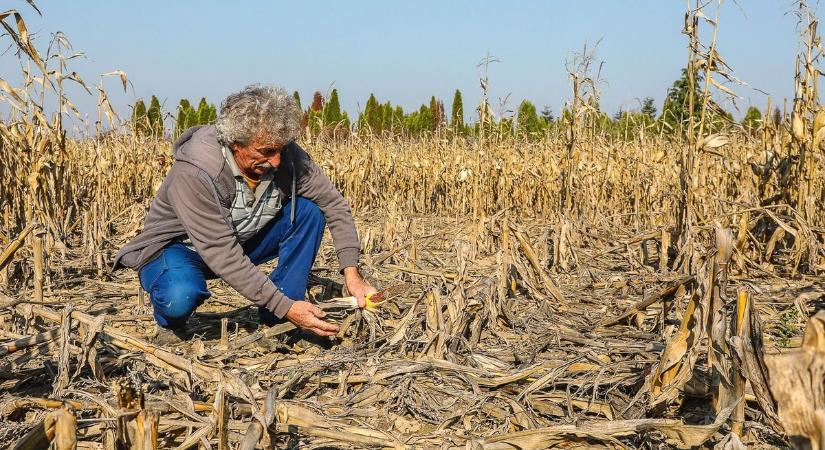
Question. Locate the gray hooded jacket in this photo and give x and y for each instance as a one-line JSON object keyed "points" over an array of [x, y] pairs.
{"points": [[194, 201]]}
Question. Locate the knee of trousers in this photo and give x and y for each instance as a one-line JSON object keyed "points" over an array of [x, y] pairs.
{"points": [[179, 300], [308, 211]]}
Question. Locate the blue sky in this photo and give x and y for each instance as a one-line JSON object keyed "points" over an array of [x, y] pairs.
{"points": [[407, 51]]}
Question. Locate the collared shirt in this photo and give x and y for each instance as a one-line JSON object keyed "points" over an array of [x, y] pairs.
{"points": [[252, 211]]}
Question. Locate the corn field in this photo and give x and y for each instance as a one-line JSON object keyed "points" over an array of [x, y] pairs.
{"points": [[579, 290]]}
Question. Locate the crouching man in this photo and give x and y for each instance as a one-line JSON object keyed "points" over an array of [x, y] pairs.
{"points": [[241, 193]]}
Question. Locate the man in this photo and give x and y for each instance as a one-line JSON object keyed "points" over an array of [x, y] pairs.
{"points": [[242, 193]]}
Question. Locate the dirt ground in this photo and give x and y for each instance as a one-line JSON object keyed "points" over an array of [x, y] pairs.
{"points": [[476, 350]]}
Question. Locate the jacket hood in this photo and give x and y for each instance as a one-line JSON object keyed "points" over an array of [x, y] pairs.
{"points": [[199, 146]]}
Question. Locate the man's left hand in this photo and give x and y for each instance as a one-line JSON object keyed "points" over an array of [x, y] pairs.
{"points": [[358, 286]]}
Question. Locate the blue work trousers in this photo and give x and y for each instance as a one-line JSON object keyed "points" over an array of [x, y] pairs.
{"points": [[176, 278]]}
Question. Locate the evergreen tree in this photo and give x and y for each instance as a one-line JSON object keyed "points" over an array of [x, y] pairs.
{"points": [[297, 98], [140, 123], [203, 112], [648, 107], [420, 121], [675, 110], [753, 118], [528, 120], [332, 110], [457, 116], [372, 114], [181, 118], [192, 117], [315, 113], [154, 116], [386, 117]]}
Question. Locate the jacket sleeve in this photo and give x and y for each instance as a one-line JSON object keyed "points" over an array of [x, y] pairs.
{"points": [[194, 200], [314, 185]]}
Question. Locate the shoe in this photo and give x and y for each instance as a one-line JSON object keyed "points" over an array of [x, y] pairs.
{"points": [[168, 337]]}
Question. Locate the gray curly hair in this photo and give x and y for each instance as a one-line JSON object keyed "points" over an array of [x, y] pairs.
{"points": [[258, 109]]}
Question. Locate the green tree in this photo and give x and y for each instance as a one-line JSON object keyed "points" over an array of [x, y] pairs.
{"points": [[457, 114], [675, 113], [192, 117], [297, 98], [204, 112], [181, 123], [372, 115], [154, 116], [648, 107], [140, 123], [528, 122], [752, 119], [332, 110]]}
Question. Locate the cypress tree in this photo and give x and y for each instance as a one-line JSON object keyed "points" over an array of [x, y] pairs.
{"points": [[332, 110], [372, 113], [139, 120], [192, 117], [315, 114], [180, 120], [155, 117], [297, 98], [457, 116], [203, 112]]}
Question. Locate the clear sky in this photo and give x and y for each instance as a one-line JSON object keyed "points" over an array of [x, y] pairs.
{"points": [[406, 51]]}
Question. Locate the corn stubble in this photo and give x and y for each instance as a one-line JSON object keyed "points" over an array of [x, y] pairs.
{"points": [[573, 290]]}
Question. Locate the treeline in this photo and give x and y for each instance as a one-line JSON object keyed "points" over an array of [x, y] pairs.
{"points": [[151, 121], [325, 118]]}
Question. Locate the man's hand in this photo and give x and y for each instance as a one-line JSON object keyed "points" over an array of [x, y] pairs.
{"points": [[358, 286], [307, 316]]}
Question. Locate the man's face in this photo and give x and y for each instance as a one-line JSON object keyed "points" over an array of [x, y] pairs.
{"points": [[258, 157]]}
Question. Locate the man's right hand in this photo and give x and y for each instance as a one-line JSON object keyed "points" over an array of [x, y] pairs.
{"points": [[307, 316]]}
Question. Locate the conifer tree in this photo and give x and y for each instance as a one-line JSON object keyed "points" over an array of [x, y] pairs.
{"points": [[297, 98], [315, 113], [528, 120], [386, 118], [752, 119], [180, 119], [332, 110], [192, 117], [648, 107], [154, 116], [372, 114], [140, 123], [203, 112], [457, 116]]}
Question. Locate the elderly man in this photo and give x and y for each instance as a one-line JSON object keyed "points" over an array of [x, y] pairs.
{"points": [[242, 193]]}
